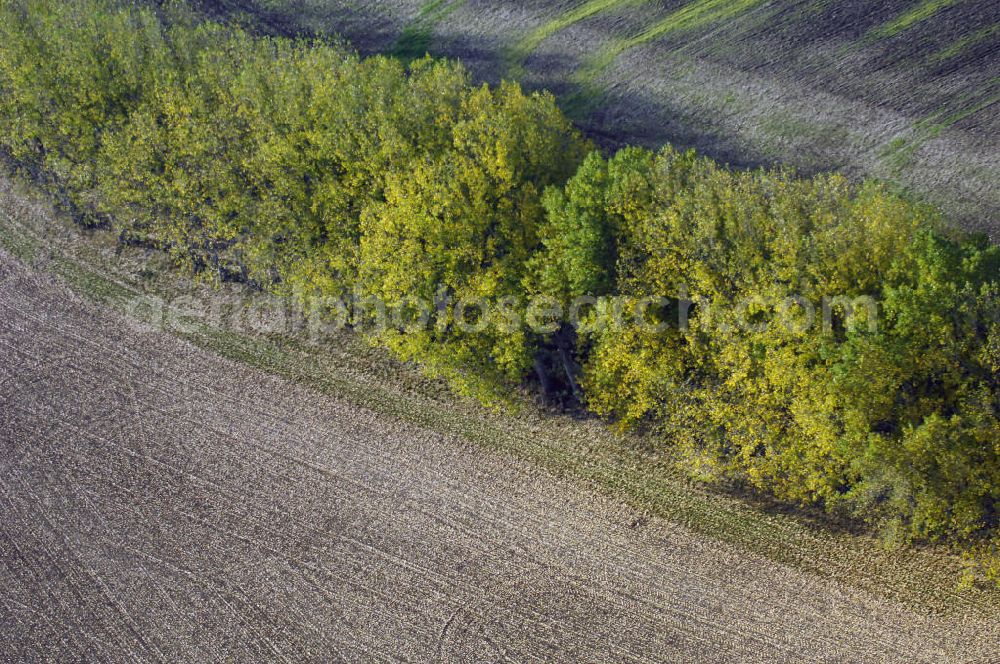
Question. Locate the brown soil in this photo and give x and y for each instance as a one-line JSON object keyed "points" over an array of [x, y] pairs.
{"points": [[159, 503]]}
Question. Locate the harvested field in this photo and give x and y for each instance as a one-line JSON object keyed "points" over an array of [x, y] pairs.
{"points": [[163, 504]]}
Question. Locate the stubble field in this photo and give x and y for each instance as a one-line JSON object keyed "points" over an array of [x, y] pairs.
{"points": [[164, 503]]}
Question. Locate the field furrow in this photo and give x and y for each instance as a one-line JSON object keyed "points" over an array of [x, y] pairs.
{"points": [[230, 514]]}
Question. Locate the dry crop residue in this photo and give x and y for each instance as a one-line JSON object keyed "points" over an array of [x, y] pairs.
{"points": [[160, 503]]}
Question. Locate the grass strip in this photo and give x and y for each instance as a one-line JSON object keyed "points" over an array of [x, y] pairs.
{"points": [[908, 19], [692, 16], [961, 45], [415, 40], [520, 50], [899, 153]]}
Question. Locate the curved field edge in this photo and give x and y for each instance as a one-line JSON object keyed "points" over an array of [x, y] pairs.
{"points": [[580, 450]]}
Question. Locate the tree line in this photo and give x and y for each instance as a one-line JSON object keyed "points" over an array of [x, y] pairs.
{"points": [[299, 167]]}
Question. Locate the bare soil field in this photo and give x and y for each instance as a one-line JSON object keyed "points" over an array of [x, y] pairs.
{"points": [[160, 503], [163, 502], [906, 90]]}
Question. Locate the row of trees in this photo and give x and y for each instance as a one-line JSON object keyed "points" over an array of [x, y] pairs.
{"points": [[893, 414], [301, 168]]}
